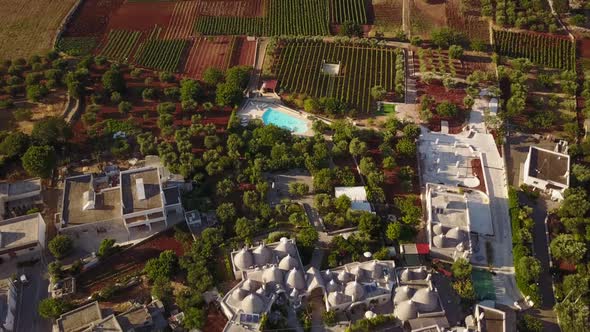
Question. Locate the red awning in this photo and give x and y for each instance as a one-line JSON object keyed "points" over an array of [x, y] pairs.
{"points": [[270, 84], [423, 248]]}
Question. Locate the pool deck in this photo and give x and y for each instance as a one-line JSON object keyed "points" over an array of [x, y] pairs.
{"points": [[255, 109]]}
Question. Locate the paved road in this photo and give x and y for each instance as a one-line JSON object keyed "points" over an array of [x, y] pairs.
{"points": [[540, 248], [27, 318]]}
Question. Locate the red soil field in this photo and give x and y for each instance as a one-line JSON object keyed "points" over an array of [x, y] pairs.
{"points": [[206, 53], [141, 16], [92, 18], [129, 261], [251, 8], [584, 47], [182, 22], [215, 320], [244, 53]]}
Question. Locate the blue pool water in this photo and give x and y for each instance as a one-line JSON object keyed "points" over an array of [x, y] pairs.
{"points": [[284, 120]]}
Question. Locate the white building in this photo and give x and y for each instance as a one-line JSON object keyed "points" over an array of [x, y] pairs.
{"points": [[357, 195], [19, 196], [20, 236], [136, 197], [547, 170], [455, 215], [274, 272]]}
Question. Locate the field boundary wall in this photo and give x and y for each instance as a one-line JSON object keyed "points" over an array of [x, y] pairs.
{"points": [[64, 23]]}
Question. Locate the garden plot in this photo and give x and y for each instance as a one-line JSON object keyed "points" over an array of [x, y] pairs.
{"points": [[387, 17], [205, 53], [183, 20]]}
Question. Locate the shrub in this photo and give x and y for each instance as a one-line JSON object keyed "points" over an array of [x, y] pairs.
{"points": [[60, 246]]}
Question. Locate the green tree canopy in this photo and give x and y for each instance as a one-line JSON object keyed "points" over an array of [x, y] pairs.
{"points": [[60, 246], [162, 267], [378, 92], [107, 247], [52, 308], [565, 246], [50, 131], [39, 161], [455, 52], [113, 80], [227, 94], [350, 29], [15, 144], [461, 269], [213, 76]]}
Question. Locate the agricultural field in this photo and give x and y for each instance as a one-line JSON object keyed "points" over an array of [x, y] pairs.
{"points": [[27, 27], [467, 21], [437, 62], [299, 69], [387, 20], [544, 50], [162, 54], [120, 44], [348, 10], [424, 17], [284, 17]]}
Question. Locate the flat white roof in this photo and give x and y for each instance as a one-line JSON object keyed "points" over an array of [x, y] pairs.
{"points": [[354, 193]]}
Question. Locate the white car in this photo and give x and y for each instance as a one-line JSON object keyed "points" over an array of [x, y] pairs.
{"points": [[23, 279]]}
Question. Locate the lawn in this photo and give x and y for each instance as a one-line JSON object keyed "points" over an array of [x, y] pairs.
{"points": [[386, 109], [28, 27]]}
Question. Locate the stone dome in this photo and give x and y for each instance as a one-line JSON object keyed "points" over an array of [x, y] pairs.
{"points": [[248, 285], [440, 241], [358, 272], [295, 279], [252, 304], [376, 270], [286, 247], [426, 299], [335, 298], [288, 262], [406, 275], [343, 276], [406, 310], [438, 229], [332, 286], [262, 255], [420, 273], [402, 294], [243, 260], [272, 274], [456, 234], [239, 294], [355, 290]]}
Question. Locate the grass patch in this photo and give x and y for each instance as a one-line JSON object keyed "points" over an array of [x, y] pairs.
{"points": [[386, 109], [76, 46]]}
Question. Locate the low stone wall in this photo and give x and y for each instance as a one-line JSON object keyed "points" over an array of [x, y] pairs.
{"points": [[64, 23]]}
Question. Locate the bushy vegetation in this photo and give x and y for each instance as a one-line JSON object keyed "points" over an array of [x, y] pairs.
{"points": [[283, 17]]}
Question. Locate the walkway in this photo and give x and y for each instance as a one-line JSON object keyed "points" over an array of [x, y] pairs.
{"points": [[540, 251]]}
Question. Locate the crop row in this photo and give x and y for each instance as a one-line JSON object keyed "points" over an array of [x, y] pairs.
{"points": [[349, 10], [299, 69], [543, 50], [284, 17], [76, 46], [120, 44], [161, 54]]}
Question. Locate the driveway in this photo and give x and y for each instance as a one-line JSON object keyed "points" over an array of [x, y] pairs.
{"points": [[29, 295], [540, 251]]}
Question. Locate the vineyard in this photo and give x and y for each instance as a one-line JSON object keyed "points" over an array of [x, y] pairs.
{"points": [[548, 51], [183, 19], [120, 44], [284, 17], [161, 54], [299, 70], [348, 10]]}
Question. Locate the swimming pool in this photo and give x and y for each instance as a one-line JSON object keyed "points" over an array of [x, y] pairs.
{"points": [[284, 120]]}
